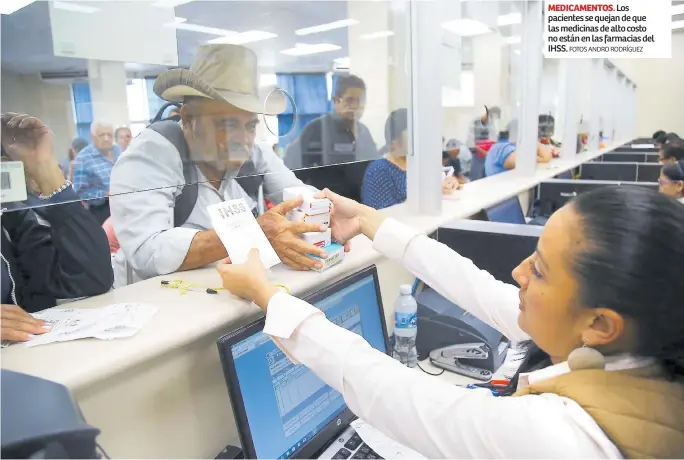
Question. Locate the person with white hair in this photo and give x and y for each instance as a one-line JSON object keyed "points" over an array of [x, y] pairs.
{"points": [[93, 168]]}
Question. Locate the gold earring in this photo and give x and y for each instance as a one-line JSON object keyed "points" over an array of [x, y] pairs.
{"points": [[586, 357]]}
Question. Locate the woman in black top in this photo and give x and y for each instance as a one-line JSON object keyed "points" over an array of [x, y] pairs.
{"points": [[40, 263]]}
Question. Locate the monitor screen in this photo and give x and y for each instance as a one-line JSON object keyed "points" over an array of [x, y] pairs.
{"points": [[508, 211], [286, 404]]}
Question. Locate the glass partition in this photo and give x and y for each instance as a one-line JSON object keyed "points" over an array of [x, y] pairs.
{"points": [[143, 103]]}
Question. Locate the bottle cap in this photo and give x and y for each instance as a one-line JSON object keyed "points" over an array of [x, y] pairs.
{"points": [[405, 289]]}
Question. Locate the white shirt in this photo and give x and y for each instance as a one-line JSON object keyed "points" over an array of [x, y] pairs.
{"points": [[433, 417], [144, 184]]}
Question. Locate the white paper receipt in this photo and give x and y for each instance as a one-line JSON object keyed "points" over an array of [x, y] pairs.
{"points": [[240, 232], [112, 322]]}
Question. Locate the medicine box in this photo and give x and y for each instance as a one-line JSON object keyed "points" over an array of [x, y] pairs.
{"points": [[310, 205], [320, 239], [297, 215], [335, 255]]}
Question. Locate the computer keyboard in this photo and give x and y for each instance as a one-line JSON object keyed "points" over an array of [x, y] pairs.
{"points": [[349, 445], [356, 448]]}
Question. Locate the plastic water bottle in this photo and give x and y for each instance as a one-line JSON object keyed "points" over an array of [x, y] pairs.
{"points": [[405, 327]]}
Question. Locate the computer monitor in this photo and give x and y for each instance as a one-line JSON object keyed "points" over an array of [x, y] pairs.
{"points": [[495, 247], [609, 171], [647, 172], [508, 211], [624, 157], [283, 410]]}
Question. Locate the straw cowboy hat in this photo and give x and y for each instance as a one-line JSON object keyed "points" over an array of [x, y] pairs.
{"points": [[225, 73]]}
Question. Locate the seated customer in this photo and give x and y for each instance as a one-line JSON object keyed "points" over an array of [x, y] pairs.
{"points": [[457, 157], [41, 264], [214, 145], [671, 180], [384, 183], [502, 156], [671, 153]]}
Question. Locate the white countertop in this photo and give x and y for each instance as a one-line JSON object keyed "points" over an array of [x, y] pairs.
{"points": [[181, 319]]}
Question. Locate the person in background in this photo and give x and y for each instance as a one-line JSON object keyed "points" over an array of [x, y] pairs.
{"points": [[484, 128], [657, 134], [671, 153], [218, 133], [601, 295], [67, 165], [384, 183], [93, 168], [671, 180], [66, 259], [458, 158], [502, 156], [339, 136], [123, 137]]}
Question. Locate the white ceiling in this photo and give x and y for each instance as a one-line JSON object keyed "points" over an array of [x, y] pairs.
{"points": [[26, 43]]}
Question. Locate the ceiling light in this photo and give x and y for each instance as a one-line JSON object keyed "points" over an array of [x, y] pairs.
{"points": [[325, 27], [509, 19], [677, 9], [69, 6], [170, 3], [180, 23], [10, 6], [466, 27], [381, 34], [302, 49], [244, 37], [513, 40], [268, 79], [677, 25], [342, 63]]}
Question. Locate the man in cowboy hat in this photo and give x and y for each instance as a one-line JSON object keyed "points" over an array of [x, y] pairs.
{"points": [[202, 156]]}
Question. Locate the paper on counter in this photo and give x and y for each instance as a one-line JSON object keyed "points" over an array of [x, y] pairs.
{"points": [[107, 323], [381, 444], [239, 232]]}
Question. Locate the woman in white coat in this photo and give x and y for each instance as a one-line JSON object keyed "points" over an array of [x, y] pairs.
{"points": [[601, 295]]}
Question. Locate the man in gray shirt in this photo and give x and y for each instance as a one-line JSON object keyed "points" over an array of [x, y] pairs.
{"points": [[215, 143]]}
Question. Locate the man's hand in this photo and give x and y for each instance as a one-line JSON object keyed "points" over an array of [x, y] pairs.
{"points": [[284, 237], [19, 326], [248, 280], [26, 139]]}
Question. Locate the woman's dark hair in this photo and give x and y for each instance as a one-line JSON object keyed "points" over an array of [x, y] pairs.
{"points": [[657, 134], [632, 263], [396, 123], [673, 150], [675, 171], [672, 137]]}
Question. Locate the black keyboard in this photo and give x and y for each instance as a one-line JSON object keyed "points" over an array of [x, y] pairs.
{"points": [[355, 448]]}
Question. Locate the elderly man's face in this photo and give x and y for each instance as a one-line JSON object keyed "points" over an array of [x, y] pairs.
{"points": [[103, 137], [218, 133]]}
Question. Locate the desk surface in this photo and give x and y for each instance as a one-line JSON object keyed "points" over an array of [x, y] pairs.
{"points": [[183, 319]]}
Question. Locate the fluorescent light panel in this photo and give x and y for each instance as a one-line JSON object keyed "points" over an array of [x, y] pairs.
{"points": [[509, 19], [302, 49], [466, 27], [374, 35], [10, 6], [677, 25], [182, 24], [244, 37], [326, 27], [677, 9], [75, 7]]}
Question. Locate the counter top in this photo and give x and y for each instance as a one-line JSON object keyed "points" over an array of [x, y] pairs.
{"points": [[182, 319]]}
